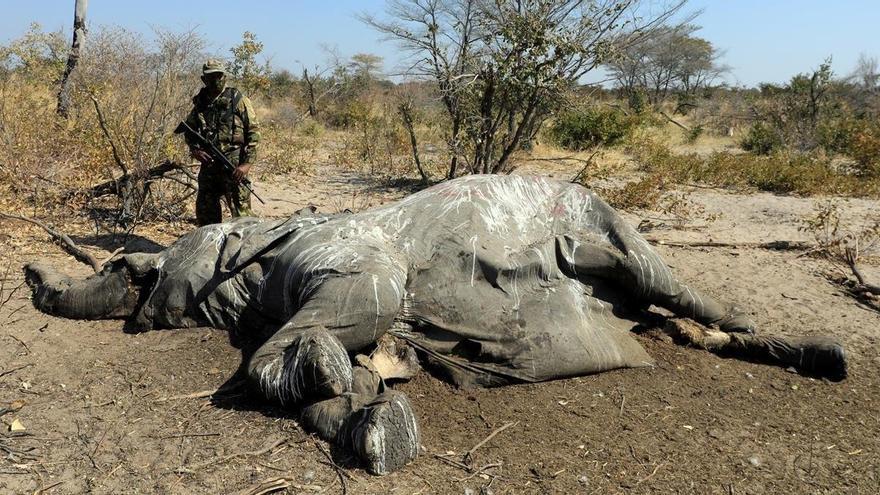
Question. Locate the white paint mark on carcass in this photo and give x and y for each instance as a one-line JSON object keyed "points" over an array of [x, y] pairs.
{"points": [[473, 259]]}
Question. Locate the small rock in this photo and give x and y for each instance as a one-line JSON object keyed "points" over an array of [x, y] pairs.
{"points": [[715, 433], [16, 425], [468, 491], [309, 476], [755, 461], [791, 369], [750, 376], [582, 479]]}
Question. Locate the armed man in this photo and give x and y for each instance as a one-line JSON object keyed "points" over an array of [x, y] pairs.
{"points": [[225, 118]]}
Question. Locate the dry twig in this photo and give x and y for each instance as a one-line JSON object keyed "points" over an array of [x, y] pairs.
{"points": [[223, 458], [277, 484], [498, 430]]}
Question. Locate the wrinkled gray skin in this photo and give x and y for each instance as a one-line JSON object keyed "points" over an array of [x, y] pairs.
{"points": [[500, 278], [495, 279]]}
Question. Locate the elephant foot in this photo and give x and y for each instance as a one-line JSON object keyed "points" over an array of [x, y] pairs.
{"points": [[821, 356], [384, 433], [315, 366], [326, 417]]}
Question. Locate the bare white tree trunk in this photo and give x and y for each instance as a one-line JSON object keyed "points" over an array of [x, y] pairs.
{"points": [[79, 32]]}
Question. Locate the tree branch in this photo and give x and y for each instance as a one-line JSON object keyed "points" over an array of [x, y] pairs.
{"points": [[66, 242]]}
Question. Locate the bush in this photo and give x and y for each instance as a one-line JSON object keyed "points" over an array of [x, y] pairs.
{"points": [[780, 172], [762, 139], [858, 139], [582, 129]]}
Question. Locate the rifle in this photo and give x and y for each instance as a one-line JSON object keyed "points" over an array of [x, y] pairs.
{"points": [[216, 154]]}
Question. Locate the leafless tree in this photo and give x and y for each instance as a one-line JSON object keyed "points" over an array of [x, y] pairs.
{"points": [[502, 66], [671, 60]]}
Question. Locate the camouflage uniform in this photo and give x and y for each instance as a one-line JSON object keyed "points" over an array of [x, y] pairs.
{"points": [[229, 121]]}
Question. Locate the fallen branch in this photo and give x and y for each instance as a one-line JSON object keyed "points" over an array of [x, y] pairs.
{"points": [[12, 370], [195, 395], [498, 430], [66, 242], [203, 393], [223, 458], [340, 473], [118, 185], [772, 245], [47, 488], [479, 471], [188, 435], [851, 257], [277, 484], [679, 124], [646, 478]]}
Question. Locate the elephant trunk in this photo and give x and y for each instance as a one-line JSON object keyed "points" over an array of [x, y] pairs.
{"points": [[108, 294]]}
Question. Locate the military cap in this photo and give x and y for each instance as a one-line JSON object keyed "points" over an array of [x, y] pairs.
{"points": [[213, 65]]}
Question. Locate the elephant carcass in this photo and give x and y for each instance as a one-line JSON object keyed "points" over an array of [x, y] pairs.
{"points": [[494, 279]]}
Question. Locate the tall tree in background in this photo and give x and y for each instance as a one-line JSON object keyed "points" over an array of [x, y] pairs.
{"points": [[670, 61], [79, 32], [502, 66]]}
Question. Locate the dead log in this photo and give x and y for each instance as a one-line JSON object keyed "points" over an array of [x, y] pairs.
{"points": [[118, 186], [851, 256]]}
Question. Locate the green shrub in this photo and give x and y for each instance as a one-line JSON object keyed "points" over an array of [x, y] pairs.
{"points": [[694, 134], [762, 139], [582, 129], [780, 172], [858, 139]]}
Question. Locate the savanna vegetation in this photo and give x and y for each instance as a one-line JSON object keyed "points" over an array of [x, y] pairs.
{"points": [[495, 85]]}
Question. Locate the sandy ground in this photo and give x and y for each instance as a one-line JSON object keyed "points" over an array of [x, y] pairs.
{"points": [[109, 412]]}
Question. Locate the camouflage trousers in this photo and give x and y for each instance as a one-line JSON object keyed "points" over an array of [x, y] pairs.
{"points": [[216, 184]]}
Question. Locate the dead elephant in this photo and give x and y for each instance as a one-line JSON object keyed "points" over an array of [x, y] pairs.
{"points": [[492, 279]]}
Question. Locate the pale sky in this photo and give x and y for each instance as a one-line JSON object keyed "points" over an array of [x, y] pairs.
{"points": [[763, 40]]}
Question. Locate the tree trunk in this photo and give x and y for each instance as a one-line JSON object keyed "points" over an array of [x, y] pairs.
{"points": [[405, 109], [79, 32], [310, 92]]}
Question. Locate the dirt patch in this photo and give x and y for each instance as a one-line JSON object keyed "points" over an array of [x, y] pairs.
{"points": [[110, 412]]}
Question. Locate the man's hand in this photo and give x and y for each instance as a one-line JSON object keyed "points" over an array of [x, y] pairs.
{"points": [[202, 156], [241, 172]]}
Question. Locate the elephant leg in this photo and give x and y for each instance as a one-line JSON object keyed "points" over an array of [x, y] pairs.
{"points": [[308, 357], [817, 355], [641, 272], [379, 428]]}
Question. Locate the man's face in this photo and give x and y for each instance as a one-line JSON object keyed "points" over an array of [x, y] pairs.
{"points": [[214, 81]]}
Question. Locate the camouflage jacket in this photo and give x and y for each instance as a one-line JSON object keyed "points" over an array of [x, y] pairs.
{"points": [[229, 121]]}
